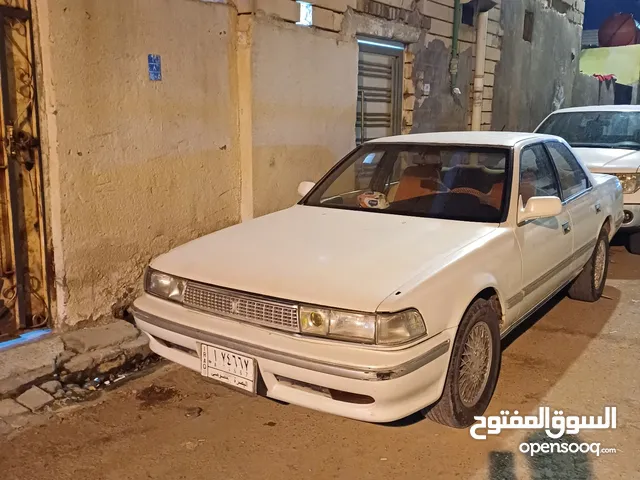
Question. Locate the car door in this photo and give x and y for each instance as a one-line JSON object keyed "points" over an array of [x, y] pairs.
{"points": [[579, 199], [546, 244]]}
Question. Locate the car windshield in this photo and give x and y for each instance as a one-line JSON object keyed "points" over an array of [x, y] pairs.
{"points": [[439, 181], [596, 129]]}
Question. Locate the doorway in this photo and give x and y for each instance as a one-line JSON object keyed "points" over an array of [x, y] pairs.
{"points": [[24, 298]]}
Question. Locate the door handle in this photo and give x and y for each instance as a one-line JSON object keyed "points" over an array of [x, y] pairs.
{"points": [[598, 208], [566, 227]]}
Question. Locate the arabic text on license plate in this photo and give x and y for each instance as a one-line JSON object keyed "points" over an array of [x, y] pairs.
{"points": [[228, 367]]}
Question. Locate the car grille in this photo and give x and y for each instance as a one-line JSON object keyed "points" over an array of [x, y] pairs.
{"points": [[244, 307]]}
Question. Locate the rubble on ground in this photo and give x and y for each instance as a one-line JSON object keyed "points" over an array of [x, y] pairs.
{"points": [[59, 371]]}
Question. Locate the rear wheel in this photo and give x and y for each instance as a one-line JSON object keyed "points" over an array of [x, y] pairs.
{"points": [[633, 243], [473, 368], [589, 285]]}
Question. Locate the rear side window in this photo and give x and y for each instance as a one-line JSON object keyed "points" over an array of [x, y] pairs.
{"points": [[537, 178], [573, 179]]}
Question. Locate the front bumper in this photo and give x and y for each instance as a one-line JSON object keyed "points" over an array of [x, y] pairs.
{"points": [[631, 220], [398, 381]]}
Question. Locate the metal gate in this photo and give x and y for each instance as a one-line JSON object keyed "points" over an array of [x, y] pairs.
{"points": [[24, 292], [380, 72]]}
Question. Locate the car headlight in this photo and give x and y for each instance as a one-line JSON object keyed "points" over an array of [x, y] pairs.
{"points": [[382, 329], [401, 327], [629, 181], [164, 285]]}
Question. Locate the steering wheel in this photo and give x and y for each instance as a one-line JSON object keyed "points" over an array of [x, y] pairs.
{"points": [[470, 191]]}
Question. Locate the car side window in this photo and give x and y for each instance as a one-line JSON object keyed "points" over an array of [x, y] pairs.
{"points": [[537, 178], [573, 179]]}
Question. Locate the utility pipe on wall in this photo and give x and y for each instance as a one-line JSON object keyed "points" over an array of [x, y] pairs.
{"points": [[478, 75], [453, 63]]}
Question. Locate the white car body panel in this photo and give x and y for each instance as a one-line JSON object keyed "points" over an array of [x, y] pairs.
{"points": [[316, 243], [374, 262]]}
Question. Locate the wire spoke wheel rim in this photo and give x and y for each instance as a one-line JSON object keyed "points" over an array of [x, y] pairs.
{"points": [[475, 365], [600, 263]]}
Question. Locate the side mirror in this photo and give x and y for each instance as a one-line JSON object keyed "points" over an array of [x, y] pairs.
{"points": [[305, 187], [539, 207]]}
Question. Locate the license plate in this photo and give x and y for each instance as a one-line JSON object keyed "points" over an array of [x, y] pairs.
{"points": [[228, 367]]}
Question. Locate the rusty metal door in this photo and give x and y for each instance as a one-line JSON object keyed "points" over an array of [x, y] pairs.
{"points": [[24, 291], [380, 72]]}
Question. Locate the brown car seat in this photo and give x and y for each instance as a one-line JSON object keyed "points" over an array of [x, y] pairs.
{"points": [[411, 183]]}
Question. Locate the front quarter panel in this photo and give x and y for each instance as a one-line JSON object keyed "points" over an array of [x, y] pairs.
{"points": [[443, 294]]}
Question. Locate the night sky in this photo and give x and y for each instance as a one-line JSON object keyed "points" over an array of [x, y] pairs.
{"points": [[596, 11]]}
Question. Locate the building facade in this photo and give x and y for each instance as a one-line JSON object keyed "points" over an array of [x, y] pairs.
{"points": [[153, 122]]}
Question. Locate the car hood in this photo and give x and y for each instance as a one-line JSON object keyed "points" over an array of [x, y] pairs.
{"points": [[609, 160], [323, 256]]}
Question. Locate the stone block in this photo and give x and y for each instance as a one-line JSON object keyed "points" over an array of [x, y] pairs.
{"points": [[493, 54], [79, 363], [285, 9], [409, 87], [407, 70], [116, 333], [137, 348], [323, 18], [436, 10], [10, 408], [51, 386], [409, 102], [34, 399], [28, 363], [489, 79], [335, 5], [107, 366]]}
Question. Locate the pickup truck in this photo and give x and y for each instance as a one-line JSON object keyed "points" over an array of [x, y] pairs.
{"points": [[385, 293], [607, 139]]}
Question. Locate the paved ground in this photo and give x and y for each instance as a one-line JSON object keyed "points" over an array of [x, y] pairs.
{"points": [[575, 356]]}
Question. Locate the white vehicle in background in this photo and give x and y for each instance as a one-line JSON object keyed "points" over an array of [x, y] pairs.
{"points": [[386, 290], [607, 140]]}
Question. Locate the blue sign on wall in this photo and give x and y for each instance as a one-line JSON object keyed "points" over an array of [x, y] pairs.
{"points": [[155, 68]]}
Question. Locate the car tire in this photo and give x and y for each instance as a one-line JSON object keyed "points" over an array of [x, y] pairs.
{"points": [[464, 397], [633, 243], [589, 284]]}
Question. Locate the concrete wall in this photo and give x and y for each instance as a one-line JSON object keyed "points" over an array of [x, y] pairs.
{"points": [[588, 90], [534, 78], [134, 167], [303, 108]]}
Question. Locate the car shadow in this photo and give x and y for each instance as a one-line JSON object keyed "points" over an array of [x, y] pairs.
{"points": [[624, 265]]}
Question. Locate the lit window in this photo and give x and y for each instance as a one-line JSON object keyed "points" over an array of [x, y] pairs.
{"points": [[306, 14]]}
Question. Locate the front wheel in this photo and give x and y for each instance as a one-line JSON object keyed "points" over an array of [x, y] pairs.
{"points": [[633, 243], [473, 368], [589, 285]]}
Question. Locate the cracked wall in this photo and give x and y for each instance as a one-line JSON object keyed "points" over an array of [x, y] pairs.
{"points": [[539, 76], [134, 166]]}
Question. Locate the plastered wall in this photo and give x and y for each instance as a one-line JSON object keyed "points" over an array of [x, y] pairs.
{"points": [[134, 166]]}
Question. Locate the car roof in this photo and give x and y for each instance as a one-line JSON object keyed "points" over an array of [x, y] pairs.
{"points": [[493, 139], [601, 108]]}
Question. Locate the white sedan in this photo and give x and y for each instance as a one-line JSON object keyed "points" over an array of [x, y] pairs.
{"points": [[607, 140], [386, 290]]}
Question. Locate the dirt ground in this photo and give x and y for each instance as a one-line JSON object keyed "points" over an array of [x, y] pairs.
{"points": [[172, 424]]}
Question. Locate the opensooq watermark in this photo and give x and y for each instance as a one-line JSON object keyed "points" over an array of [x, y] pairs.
{"points": [[554, 426]]}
